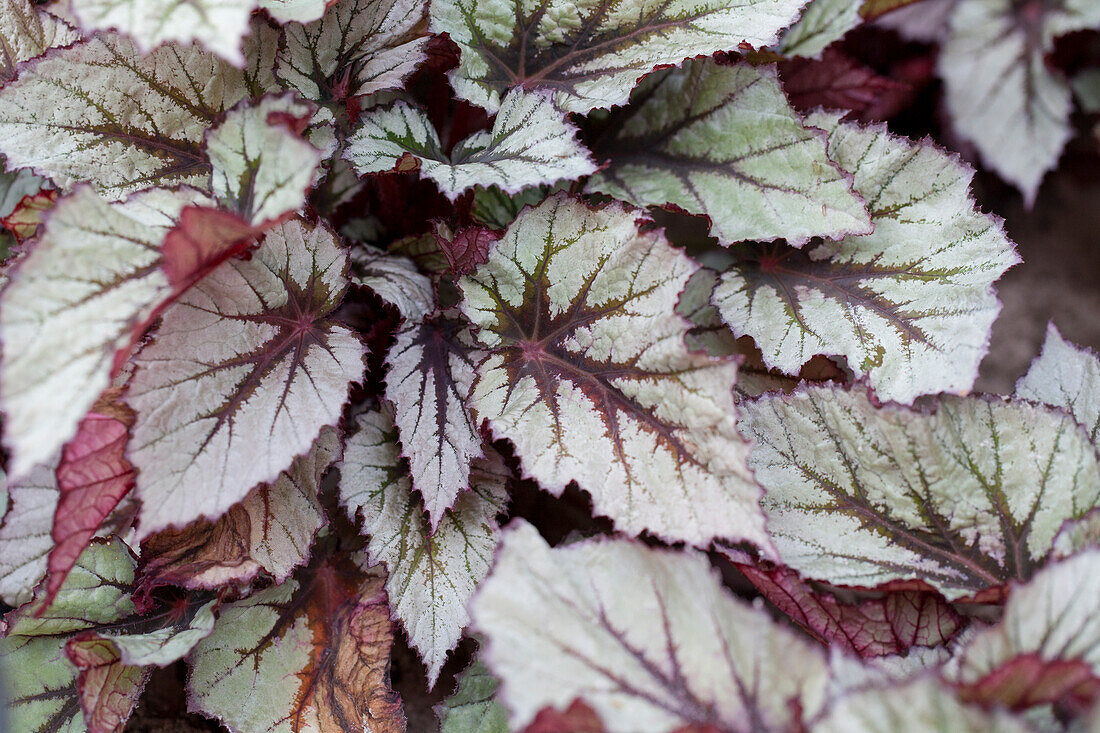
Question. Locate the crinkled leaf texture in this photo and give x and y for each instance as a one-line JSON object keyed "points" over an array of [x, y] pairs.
{"points": [[588, 375], [723, 142], [823, 22], [99, 111], [530, 143], [307, 656], [262, 168], [432, 571], [647, 637], [88, 282], [26, 31], [1001, 94], [240, 377], [590, 54], [909, 306], [395, 280], [964, 498], [1065, 376]]}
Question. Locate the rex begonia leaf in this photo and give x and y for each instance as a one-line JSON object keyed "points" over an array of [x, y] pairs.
{"points": [[530, 143], [358, 47], [496, 209], [40, 686], [108, 690], [310, 655], [1065, 376], [473, 707], [90, 279], [923, 705], [262, 168], [218, 25], [966, 497], [909, 306], [1001, 94], [27, 31], [722, 141], [271, 530], [99, 111], [587, 374], [14, 187], [431, 371], [590, 54], [25, 540], [297, 11], [240, 377], [432, 572], [395, 280], [648, 638], [822, 23], [1044, 648]]}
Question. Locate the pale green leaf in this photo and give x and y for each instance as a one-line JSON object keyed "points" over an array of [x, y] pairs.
{"points": [[473, 707], [14, 186], [647, 637], [164, 646], [911, 305], [1068, 377], [298, 11], [40, 686], [590, 54], [967, 496], [587, 374], [823, 22], [723, 142], [530, 143]]}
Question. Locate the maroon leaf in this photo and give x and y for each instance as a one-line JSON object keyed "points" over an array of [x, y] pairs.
{"points": [[1029, 680], [577, 718], [28, 214], [203, 239], [467, 248], [837, 81]]}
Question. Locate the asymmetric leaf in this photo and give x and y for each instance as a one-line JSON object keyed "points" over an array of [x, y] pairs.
{"points": [[723, 142], [26, 31], [909, 306], [90, 280], [822, 23], [965, 498], [25, 533], [588, 376], [431, 371], [647, 637], [108, 690], [530, 143], [1002, 96], [1065, 376], [473, 707], [99, 111], [313, 659], [358, 47], [590, 54], [395, 280], [240, 377], [432, 572], [262, 168]]}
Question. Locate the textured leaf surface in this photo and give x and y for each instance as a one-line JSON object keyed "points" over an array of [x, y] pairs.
{"points": [[108, 690], [431, 371], [241, 376], [300, 659], [99, 111], [590, 54], [1046, 648], [473, 707], [1065, 376], [911, 305], [395, 280], [91, 278], [298, 11], [649, 638], [270, 530], [216, 24], [27, 32], [588, 375], [530, 143], [262, 168], [358, 47], [965, 498], [25, 533], [1001, 94], [823, 22], [40, 686], [432, 572], [723, 142]]}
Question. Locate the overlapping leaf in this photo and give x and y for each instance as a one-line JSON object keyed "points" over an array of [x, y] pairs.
{"points": [[590, 54], [358, 47], [1065, 376], [99, 111], [530, 143], [588, 375], [92, 278], [473, 707], [432, 570], [243, 372], [25, 538], [26, 31], [296, 657], [262, 168], [1000, 92], [911, 305], [297, 11], [823, 22], [271, 530], [723, 142], [395, 280], [965, 498], [648, 638]]}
